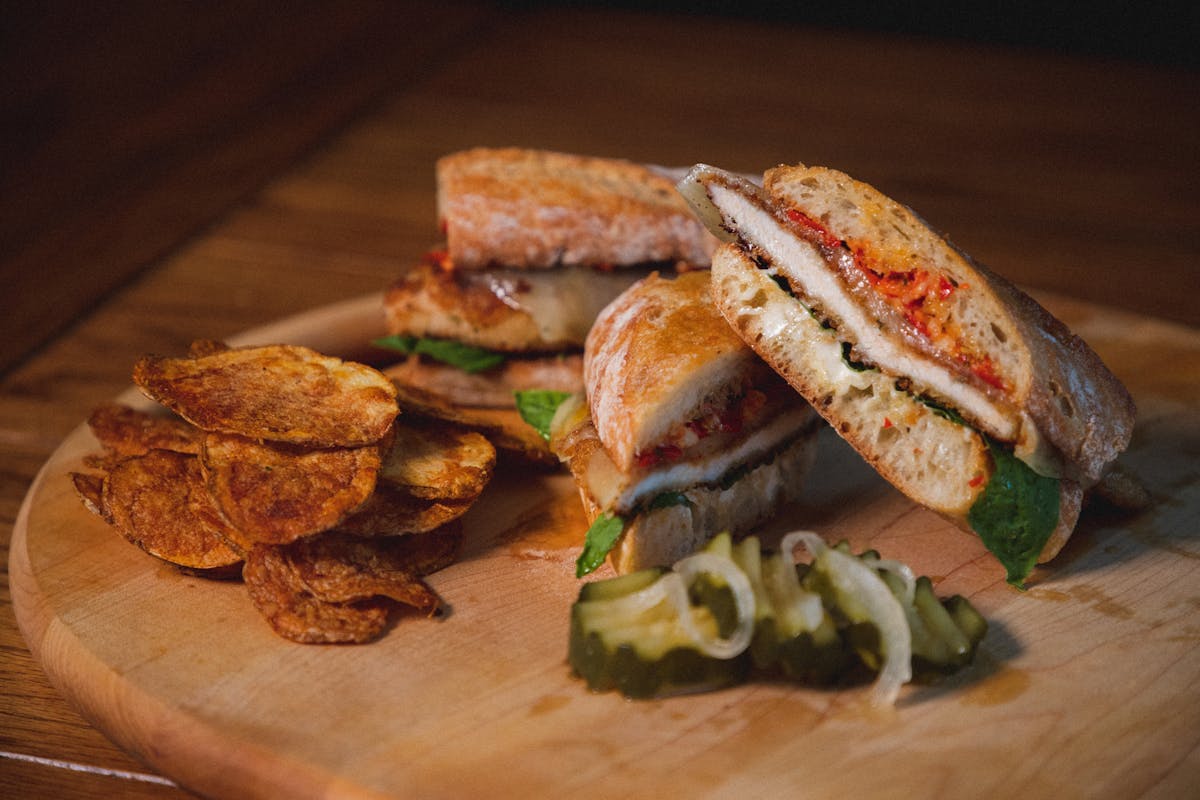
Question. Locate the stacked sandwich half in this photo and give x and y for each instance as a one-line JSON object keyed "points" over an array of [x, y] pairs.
{"points": [[537, 243]]}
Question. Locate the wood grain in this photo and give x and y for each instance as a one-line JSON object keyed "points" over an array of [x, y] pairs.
{"points": [[1099, 656], [1067, 174], [134, 125]]}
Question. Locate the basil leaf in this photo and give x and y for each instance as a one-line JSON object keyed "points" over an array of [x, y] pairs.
{"points": [[600, 538], [1015, 514], [404, 344], [464, 356], [937, 408], [668, 499], [537, 407]]}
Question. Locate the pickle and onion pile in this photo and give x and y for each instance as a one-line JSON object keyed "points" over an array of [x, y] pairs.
{"points": [[732, 612]]}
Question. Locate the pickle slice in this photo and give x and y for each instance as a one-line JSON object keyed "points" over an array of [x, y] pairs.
{"points": [[626, 635], [642, 648]]}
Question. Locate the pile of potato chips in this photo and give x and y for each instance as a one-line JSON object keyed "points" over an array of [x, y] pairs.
{"points": [[294, 470]]}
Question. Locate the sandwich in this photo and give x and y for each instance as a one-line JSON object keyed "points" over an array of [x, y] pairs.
{"points": [[536, 244], [683, 432], [958, 388]]}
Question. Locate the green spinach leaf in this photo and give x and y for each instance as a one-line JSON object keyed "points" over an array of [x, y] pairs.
{"points": [[600, 538], [537, 407], [464, 356], [668, 499], [1015, 514]]}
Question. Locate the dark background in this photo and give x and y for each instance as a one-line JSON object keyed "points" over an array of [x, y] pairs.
{"points": [[129, 126], [1152, 32]]}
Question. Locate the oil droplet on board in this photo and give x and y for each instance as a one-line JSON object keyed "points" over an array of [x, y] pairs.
{"points": [[1084, 593], [548, 704], [551, 530], [1004, 686]]}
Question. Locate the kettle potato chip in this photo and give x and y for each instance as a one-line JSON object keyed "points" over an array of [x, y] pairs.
{"points": [[280, 393], [275, 469], [391, 511], [503, 427], [336, 588], [90, 489], [123, 431], [439, 462], [275, 493], [339, 568], [294, 613], [159, 502]]}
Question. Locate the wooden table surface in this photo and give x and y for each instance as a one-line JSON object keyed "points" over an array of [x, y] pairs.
{"points": [[195, 171]]}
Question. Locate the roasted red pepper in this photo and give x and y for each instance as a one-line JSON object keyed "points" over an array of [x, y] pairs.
{"points": [[917, 295]]}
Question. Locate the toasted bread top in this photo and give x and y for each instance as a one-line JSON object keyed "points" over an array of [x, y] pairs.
{"points": [[655, 356], [536, 209]]}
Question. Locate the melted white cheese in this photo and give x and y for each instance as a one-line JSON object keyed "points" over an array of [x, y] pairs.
{"points": [[621, 496], [563, 302]]}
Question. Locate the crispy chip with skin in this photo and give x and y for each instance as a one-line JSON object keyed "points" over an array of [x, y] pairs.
{"points": [[438, 461], [279, 393], [275, 493], [206, 347], [90, 489], [159, 502], [338, 568], [339, 588], [391, 511], [123, 431], [279, 594]]}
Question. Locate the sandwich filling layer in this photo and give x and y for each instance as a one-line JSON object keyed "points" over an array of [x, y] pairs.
{"points": [[503, 309], [621, 493], [809, 278]]}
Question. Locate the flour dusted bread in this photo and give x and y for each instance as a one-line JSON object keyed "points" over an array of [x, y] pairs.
{"points": [[927, 363], [537, 244], [538, 209], [656, 357]]}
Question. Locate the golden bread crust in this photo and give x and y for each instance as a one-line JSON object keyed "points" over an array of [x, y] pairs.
{"points": [[1077, 403], [654, 355], [534, 209]]}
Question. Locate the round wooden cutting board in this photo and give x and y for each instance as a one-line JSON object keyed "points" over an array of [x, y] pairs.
{"points": [[1087, 685]]}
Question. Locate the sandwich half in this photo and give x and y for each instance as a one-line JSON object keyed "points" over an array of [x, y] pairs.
{"points": [[953, 384], [684, 431], [537, 243]]}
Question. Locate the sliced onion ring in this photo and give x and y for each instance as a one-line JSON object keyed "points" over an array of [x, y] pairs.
{"points": [[854, 577], [641, 600], [743, 599], [903, 571]]}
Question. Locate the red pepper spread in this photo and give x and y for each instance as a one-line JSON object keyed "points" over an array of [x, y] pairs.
{"points": [[920, 296]]}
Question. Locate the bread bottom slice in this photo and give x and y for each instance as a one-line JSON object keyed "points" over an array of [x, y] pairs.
{"points": [[662, 536], [933, 459]]}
